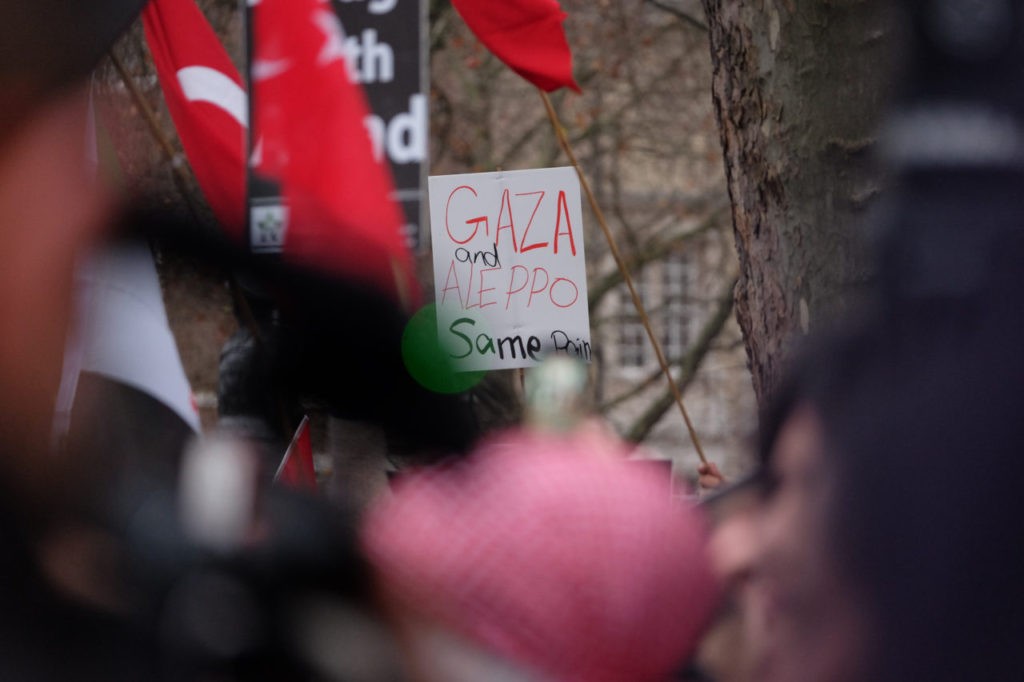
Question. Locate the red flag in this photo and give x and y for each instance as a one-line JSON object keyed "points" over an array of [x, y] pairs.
{"points": [[525, 34], [207, 101], [296, 470], [310, 118]]}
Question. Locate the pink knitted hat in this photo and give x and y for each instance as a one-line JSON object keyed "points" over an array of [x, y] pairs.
{"points": [[579, 567]]}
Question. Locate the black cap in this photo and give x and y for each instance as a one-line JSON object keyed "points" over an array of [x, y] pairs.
{"points": [[46, 45]]}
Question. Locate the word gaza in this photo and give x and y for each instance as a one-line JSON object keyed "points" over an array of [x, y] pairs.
{"points": [[516, 224]]}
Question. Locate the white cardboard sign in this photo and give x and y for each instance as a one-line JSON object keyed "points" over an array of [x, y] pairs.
{"points": [[509, 274]]}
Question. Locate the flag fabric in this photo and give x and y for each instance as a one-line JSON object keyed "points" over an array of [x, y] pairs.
{"points": [[310, 120], [207, 101], [126, 336], [121, 331], [525, 34], [296, 469]]}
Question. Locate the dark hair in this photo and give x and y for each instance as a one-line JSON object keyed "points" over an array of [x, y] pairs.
{"points": [[820, 366], [922, 415], [47, 45]]}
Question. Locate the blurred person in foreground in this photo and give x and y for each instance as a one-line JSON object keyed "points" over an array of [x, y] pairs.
{"points": [[537, 559], [882, 540], [743, 511], [52, 206], [790, 613], [52, 209], [864, 514], [883, 543]]}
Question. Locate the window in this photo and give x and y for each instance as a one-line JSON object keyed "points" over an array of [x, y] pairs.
{"points": [[666, 289], [676, 318], [633, 344]]}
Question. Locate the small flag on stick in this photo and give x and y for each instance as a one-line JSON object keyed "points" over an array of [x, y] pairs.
{"points": [[296, 470]]}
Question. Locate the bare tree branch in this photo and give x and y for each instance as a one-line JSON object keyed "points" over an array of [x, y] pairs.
{"points": [[689, 365], [600, 288], [685, 17], [439, 16], [653, 376]]}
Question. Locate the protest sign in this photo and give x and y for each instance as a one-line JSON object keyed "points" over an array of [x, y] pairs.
{"points": [[509, 271]]}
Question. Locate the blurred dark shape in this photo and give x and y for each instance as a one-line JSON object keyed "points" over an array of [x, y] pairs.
{"points": [[46, 45], [46, 48], [244, 379], [36, 620], [334, 342], [98, 578], [177, 607], [247, 403], [117, 430], [237, 613], [924, 435], [964, 49], [954, 143], [237, 610], [187, 610], [912, 409]]}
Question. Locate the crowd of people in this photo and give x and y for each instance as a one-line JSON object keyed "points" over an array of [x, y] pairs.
{"points": [[876, 540]]}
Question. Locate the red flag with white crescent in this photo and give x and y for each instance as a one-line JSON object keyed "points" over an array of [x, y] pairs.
{"points": [[310, 119], [525, 34], [207, 101]]}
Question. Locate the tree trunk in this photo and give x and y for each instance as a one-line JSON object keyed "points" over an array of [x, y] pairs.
{"points": [[798, 86]]}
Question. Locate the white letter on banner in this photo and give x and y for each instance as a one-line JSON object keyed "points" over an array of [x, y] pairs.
{"points": [[381, 6], [203, 84]]}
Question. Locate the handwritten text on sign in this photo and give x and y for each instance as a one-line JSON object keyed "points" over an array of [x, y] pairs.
{"points": [[509, 272]]}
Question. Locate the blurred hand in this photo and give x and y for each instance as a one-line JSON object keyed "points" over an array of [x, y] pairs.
{"points": [[709, 477]]}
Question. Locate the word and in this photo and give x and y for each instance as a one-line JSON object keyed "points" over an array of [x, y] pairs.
{"points": [[404, 137]]}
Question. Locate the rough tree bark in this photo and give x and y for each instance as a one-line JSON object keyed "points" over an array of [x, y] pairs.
{"points": [[798, 86]]}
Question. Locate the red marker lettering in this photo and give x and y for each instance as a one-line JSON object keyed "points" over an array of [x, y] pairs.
{"points": [[506, 202], [452, 275], [539, 245], [563, 209], [533, 287], [475, 222], [512, 289], [480, 290]]}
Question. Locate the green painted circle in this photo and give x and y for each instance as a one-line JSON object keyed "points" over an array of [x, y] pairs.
{"points": [[427, 362]]}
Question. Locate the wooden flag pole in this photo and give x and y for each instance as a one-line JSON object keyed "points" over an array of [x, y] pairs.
{"points": [[620, 262]]}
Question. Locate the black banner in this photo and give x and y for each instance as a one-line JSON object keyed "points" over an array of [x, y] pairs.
{"points": [[386, 52]]}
